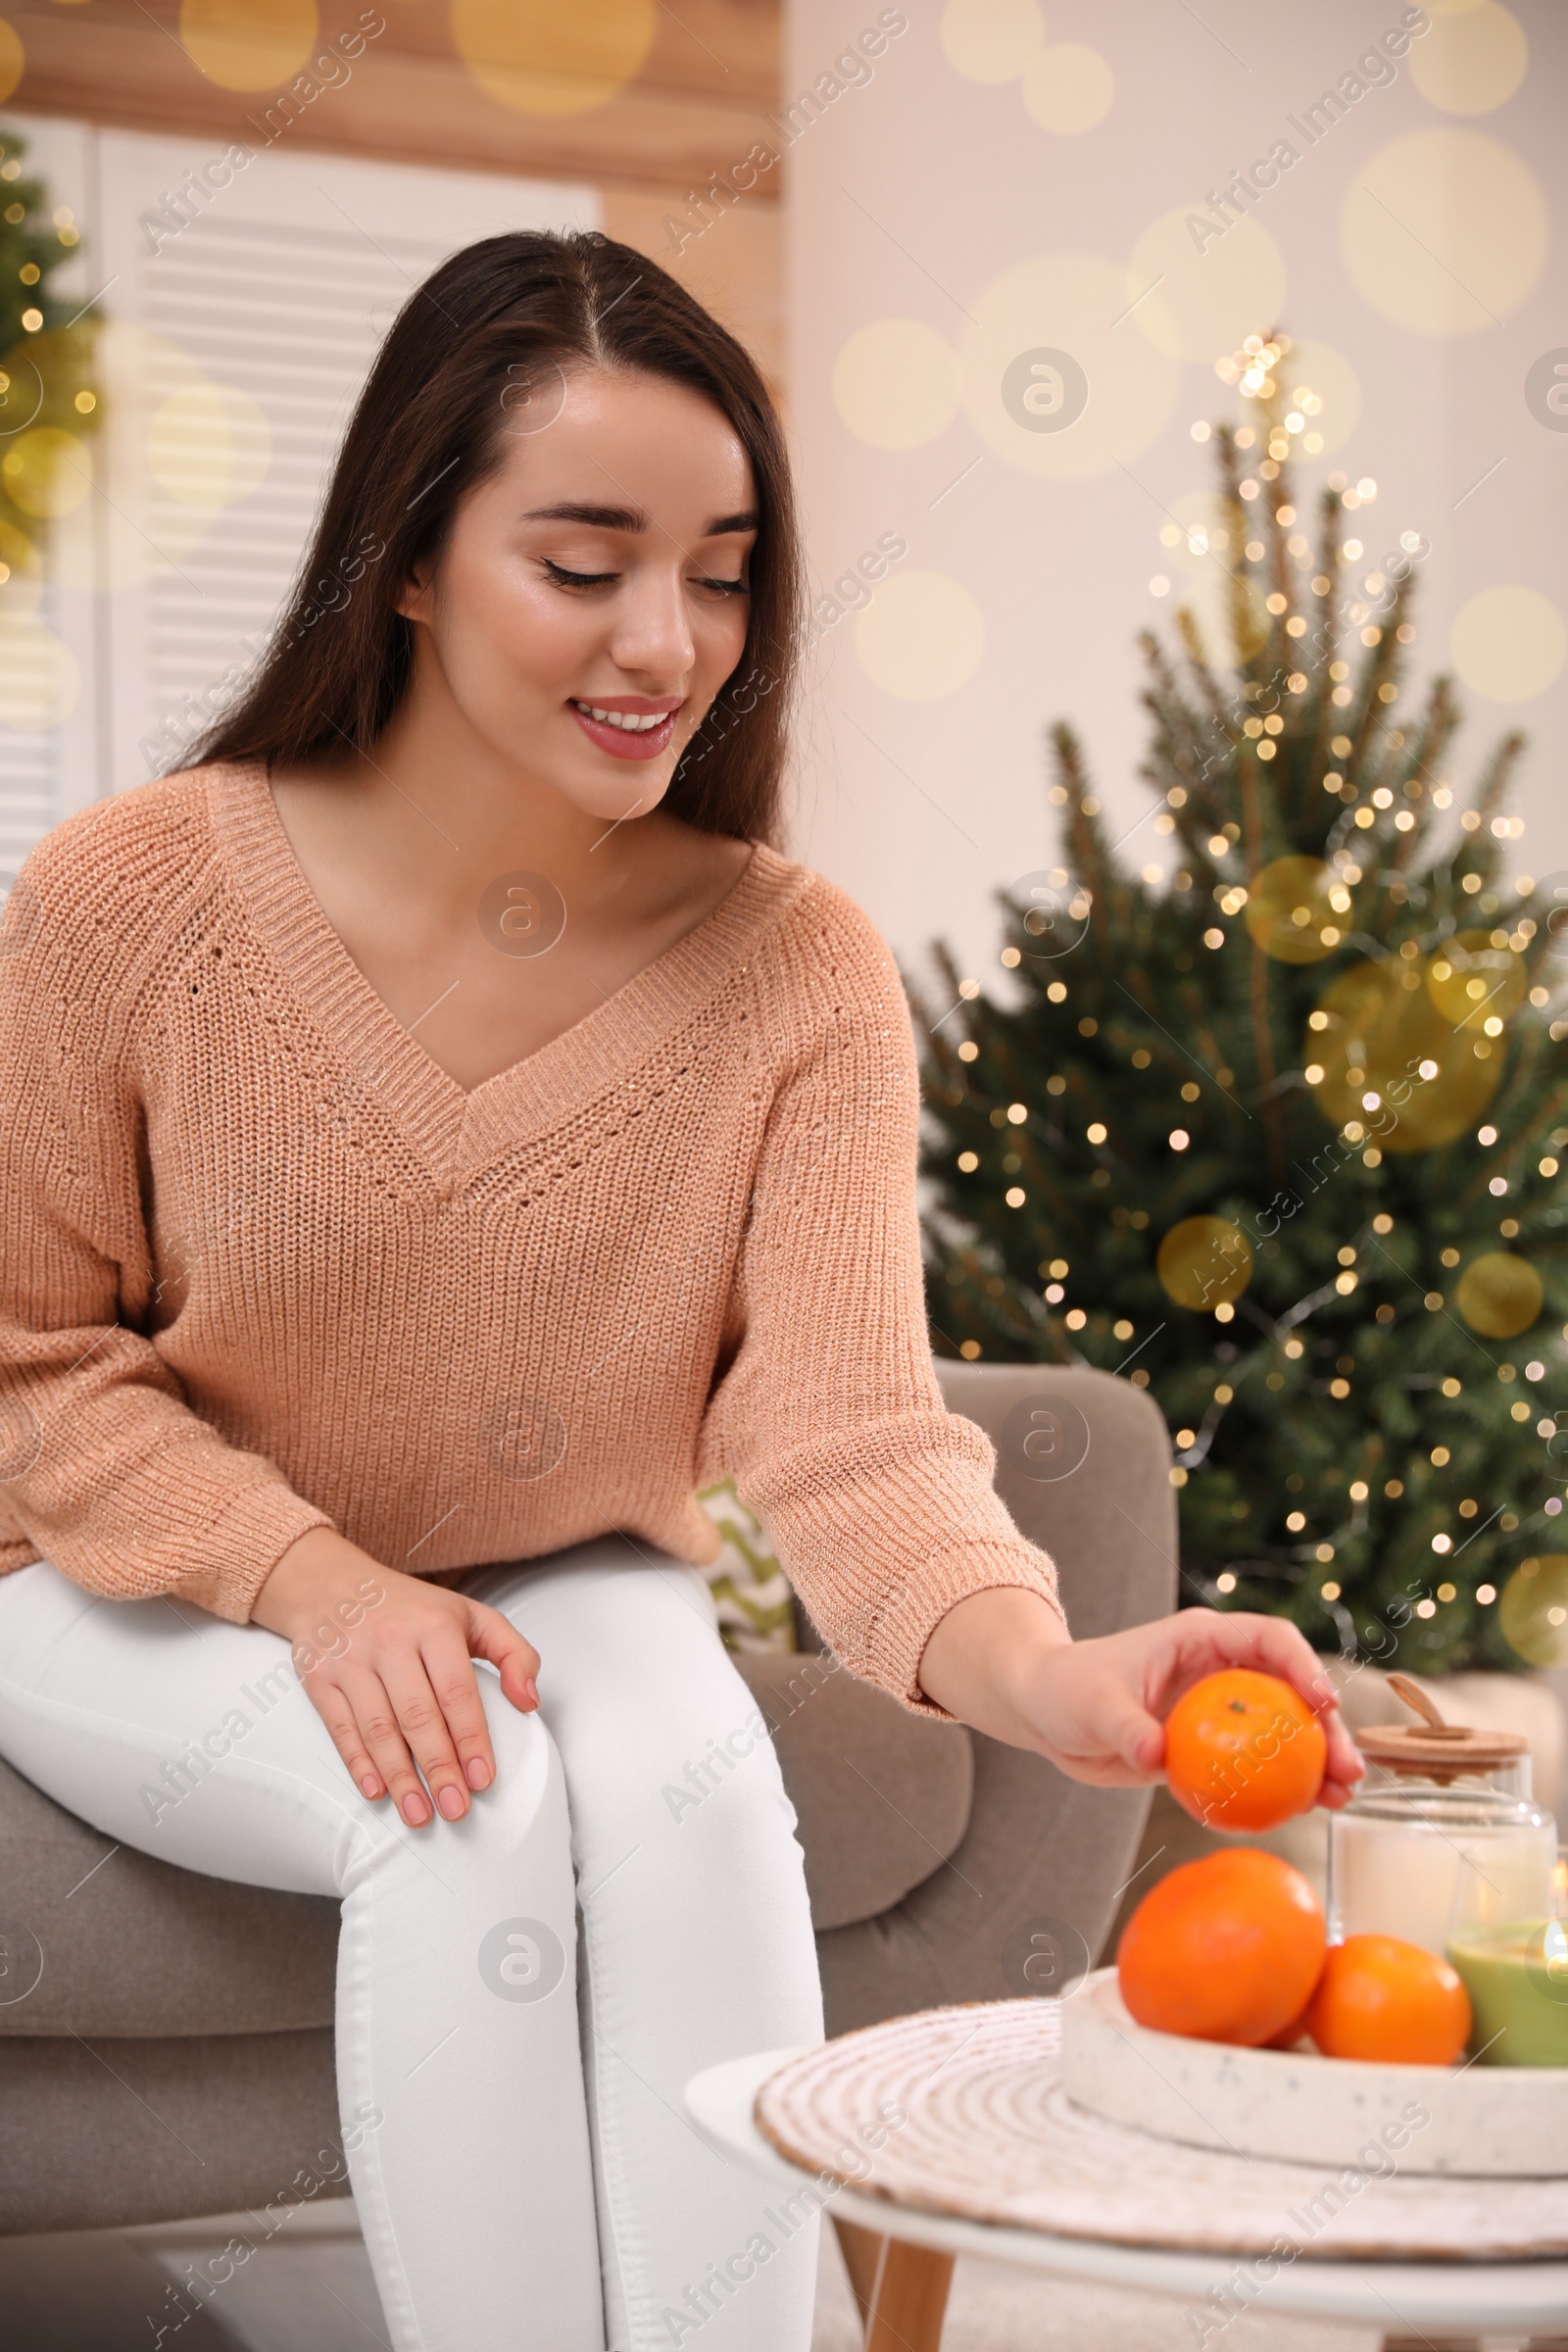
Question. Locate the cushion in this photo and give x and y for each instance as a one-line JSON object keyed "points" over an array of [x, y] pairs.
{"points": [[750, 1591], [883, 1795], [131, 1946], [190, 2125]]}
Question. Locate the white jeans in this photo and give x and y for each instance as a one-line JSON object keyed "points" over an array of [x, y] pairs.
{"points": [[523, 2185]]}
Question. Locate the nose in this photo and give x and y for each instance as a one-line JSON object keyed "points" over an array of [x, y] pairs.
{"points": [[652, 636]]}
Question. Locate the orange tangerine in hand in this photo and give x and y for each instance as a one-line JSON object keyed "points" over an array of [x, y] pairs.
{"points": [[1226, 1949], [1243, 1750], [1381, 1998]]}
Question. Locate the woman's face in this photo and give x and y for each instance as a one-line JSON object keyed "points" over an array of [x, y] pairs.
{"points": [[601, 569]]}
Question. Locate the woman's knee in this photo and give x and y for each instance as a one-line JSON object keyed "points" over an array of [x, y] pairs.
{"points": [[526, 1798]]}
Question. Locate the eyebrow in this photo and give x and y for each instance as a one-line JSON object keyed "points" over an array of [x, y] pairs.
{"points": [[632, 518]]}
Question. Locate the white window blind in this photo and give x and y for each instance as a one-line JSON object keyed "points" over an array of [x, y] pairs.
{"points": [[237, 343]]}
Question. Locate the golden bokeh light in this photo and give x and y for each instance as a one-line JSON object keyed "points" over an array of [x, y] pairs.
{"points": [[921, 637], [1325, 375], [1389, 1060], [1204, 1262], [1499, 1294], [1196, 537], [1533, 1611], [1471, 981], [130, 530], [1471, 60], [12, 59], [39, 681], [1508, 643], [992, 40], [1289, 913], [1443, 232], [1123, 393], [541, 58], [1195, 299], [21, 571], [1230, 613], [1069, 88], [248, 44], [47, 472], [209, 445], [897, 383]]}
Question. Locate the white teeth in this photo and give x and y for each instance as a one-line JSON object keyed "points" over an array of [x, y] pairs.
{"points": [[632, 723]]}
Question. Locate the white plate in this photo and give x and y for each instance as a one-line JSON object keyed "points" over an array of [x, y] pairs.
{"points": [[1484, 2122]]}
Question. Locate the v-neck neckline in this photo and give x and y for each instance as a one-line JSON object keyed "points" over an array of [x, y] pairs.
{"points": [[458, 1129]]}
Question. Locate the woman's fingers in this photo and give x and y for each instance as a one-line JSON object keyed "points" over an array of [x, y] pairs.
{"points": [[496, 1639], [1199, 1641], [332, 1707], [1345, 1764], [1090, 1707], [422, 1719], [1130, 1737], [405, 1702], [377, 1712], [452, 1678], [1211, 1638], [1283, 1649]]}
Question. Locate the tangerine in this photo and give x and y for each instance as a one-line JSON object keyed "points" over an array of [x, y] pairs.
{"points": [[1289, 2036], [1228, 1948], [1381, 1998], [1243, 1750]]}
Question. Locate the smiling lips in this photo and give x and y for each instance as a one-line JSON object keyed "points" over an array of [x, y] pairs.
{"points": [[629, 726]]}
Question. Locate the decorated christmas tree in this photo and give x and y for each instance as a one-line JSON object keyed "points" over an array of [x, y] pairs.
{"points": [[47, 400], [1278, 1134]]}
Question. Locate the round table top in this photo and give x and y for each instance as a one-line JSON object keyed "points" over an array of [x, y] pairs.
{"points": [[1401, 2297]]}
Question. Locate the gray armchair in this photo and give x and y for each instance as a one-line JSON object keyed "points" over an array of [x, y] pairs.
{"points": [[165, 2040]]}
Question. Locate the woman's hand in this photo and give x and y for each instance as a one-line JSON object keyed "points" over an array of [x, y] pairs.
{"points": [[1002, 1661], [386, 1661]]}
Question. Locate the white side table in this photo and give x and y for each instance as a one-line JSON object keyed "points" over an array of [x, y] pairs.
{"points": [[899, 2257]]}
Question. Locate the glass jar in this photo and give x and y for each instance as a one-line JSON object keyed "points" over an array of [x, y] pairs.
{"points": [[1437, 1802]]}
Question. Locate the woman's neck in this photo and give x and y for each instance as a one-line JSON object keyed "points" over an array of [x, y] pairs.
{"points": [[437, 812], [416, 850]]}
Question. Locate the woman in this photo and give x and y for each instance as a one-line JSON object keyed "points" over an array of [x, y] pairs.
{"points": [[443, 1131]]}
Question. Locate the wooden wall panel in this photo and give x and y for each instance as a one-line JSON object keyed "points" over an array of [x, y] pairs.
{"points": [[735, 266], [697, 104]]}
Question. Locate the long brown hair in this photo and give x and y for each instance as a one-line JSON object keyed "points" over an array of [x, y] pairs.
{"points": [[467, 350]]}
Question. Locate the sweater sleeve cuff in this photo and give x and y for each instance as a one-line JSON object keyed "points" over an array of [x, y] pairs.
{"points": [[240, 1550], [914, 1610]]}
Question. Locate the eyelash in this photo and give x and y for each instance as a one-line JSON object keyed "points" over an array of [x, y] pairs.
{"points": [[562, 579]]}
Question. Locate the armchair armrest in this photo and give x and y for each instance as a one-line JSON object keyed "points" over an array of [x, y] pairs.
{"points": [[1026, 1897]]}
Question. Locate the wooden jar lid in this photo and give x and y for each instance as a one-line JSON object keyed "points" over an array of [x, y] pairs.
{"points": [[1455, 1748]]}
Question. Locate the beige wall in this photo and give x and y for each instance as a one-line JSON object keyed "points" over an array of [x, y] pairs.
{"points": [[932, 196]]}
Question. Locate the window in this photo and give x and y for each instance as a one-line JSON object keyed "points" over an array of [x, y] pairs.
{"points": [[236, 341]]}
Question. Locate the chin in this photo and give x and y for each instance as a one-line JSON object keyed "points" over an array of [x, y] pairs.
{"points": [[619, 796]]}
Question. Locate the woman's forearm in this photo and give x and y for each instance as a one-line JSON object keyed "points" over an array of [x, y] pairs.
{"points": [[983, 1660]]}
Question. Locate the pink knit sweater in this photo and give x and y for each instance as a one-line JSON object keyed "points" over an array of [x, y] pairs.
{"points": [[265, 1266]]}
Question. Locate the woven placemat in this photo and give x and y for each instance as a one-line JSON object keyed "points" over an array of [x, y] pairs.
{"points": [[989, 2134]]}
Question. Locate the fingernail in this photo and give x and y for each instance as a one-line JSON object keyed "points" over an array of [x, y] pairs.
{"points": [[532, 1688], [452, 1803], [371, 1785], [415, 1811], [478, 1773]]}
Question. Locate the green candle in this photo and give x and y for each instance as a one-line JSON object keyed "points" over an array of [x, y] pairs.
{"points": [[1517, 1980]]}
